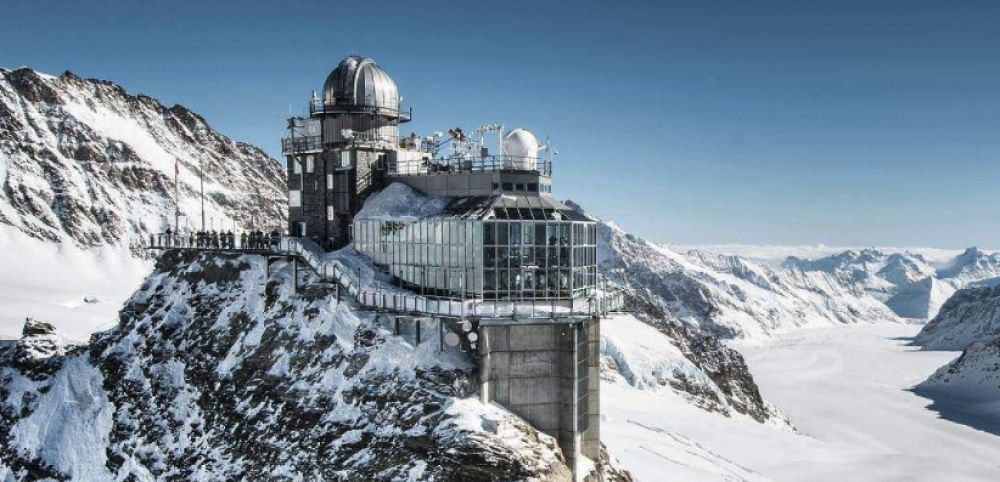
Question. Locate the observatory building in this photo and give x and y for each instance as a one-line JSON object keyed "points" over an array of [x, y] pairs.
{"points": [[501, 237], [480, 224]]}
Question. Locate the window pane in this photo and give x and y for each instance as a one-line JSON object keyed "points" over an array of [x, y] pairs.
{"points": [[502, 238], [489, 233]]}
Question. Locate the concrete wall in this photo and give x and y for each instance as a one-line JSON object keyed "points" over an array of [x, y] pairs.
{"points": [[547, 374]]}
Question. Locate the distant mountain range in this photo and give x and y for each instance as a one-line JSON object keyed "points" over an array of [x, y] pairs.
{"points": [[731, 296], [910, 284]]}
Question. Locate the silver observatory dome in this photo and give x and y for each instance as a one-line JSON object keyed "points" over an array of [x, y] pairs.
{"points": [[358, 82]]}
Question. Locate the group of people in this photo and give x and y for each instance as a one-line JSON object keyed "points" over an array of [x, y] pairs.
{"points": [[216, 240], [260, 240]]}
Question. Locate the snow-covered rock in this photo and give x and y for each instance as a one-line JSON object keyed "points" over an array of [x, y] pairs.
{"points": [[972, 314], [88, 172], [87, 163], [973, 376], [219, 370]]}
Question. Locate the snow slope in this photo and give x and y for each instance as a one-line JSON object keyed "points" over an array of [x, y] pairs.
{"points": [[847, 390], [638, 355], [87, 172]]}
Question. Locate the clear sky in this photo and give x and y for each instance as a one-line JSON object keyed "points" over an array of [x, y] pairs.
{"points": [[777, 122]]}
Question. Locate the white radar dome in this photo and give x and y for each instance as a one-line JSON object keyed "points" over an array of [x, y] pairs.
{"points": [[521, 148]]}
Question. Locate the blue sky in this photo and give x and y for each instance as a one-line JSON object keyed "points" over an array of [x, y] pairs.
{"points": [[799, 122]]}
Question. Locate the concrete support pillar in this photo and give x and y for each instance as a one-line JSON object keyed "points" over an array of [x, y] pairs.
{"points": [[549, 375], [590, 386]]}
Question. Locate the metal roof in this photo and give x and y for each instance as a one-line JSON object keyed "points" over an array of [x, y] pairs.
{"points": [[359, 81]]}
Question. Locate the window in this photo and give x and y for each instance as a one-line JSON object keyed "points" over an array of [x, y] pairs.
{"points": [[532, 187], [519, 187], [309, 163], [329, 182], [296, 165], [329, 213], [507, 186], [345, 158], [294, 198]]}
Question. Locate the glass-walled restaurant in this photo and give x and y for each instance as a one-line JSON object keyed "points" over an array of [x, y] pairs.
{"points": [[484, 259]]}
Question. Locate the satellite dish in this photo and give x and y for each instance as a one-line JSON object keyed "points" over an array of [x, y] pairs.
{"points": [[451, 339], [466, 326]]}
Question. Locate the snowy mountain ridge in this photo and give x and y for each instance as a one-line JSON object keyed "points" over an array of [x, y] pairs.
{"points": [[84, 161]]}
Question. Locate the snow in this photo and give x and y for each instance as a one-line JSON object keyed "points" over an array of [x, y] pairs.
{"points": [[847, 391], [70, 423], [401, 202], [49, 282]]}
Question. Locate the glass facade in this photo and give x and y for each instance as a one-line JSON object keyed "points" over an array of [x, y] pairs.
{"points": [[491, 259]]}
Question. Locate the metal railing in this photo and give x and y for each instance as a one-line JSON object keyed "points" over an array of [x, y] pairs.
{"points": [[301, 144], [320, 106], [315, 143], [472, 164], [399, 301]]}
